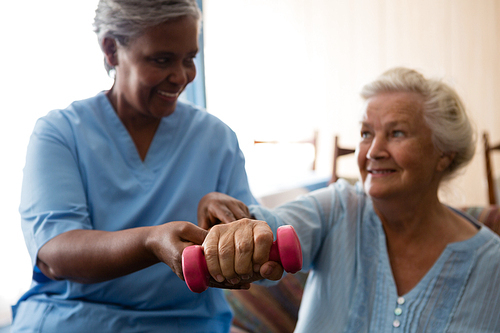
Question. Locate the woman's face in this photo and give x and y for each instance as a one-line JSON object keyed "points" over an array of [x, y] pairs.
{"points": [[154, 68], [396, 156]]}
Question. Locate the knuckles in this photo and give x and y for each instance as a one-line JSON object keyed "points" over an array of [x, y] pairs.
{"points": [[226, 252], [210, 252], [264, 237], [244, 246]]}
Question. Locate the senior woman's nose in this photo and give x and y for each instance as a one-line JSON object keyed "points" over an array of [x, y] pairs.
{"points": [[377, 149]]}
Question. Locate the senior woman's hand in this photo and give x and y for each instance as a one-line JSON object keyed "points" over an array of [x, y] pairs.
{"points": [[216, 208], [238, 252]]}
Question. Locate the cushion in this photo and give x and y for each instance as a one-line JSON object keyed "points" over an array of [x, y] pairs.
{"points": [[271, 309], [488, 215]]}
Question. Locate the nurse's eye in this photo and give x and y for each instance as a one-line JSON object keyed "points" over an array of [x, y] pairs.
{"points": [[189, 61], [161, 60]]}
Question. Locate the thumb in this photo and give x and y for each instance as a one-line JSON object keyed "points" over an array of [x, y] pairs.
{"points": [[196, 234], [271, 270]]}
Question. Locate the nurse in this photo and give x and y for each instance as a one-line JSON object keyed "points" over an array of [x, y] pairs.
{"points": [[111, 186]]}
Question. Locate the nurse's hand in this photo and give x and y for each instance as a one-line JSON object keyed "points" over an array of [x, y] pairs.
{"points": [[168, 241], [238, 252], [218, 208]]}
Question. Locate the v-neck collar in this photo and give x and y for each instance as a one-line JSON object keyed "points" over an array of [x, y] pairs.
{"points": [[166, 130], [461, 252]]}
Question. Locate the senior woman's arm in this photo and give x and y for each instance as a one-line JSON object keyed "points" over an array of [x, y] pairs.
{"points": [[312, 216]]}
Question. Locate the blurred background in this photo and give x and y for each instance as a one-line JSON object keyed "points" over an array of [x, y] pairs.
{"points": [[275, 70]]}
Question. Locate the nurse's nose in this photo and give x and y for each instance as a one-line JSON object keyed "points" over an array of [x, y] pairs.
{"points": [[178, 75]]}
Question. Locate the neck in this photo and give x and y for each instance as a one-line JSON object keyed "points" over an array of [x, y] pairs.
{"points": [[141, 128], [421, 222], [409, 217]]}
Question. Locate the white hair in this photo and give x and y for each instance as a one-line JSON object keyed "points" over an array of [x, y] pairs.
{"points": [[124, 20], [444, 112]]}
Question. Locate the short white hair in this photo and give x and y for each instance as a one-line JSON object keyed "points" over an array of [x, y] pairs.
{"points": [[444, 112], [123, 20]]}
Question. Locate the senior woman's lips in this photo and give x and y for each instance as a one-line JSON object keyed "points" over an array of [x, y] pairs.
{"points": [[380, 172]]}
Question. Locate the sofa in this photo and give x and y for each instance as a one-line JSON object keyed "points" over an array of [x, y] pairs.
{"points": [[275, 309]]}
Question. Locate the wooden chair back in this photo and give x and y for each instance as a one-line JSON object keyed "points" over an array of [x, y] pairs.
{"points": [[337, 152], [488, 148]]}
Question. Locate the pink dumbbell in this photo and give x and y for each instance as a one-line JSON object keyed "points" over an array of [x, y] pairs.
{"points": [[285, 250]]}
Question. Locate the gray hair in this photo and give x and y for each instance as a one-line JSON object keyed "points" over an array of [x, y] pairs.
{"points": [[444, 112], [124, 20]]}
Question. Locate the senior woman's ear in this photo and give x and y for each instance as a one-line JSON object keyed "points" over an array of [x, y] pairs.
{"points": [[109, 49], [445, 160]]}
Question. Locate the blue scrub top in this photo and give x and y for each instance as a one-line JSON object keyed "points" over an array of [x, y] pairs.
{"points": [[83, 172]]}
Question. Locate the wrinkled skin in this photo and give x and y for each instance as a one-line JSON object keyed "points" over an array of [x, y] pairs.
{"points": [[237, 246]]}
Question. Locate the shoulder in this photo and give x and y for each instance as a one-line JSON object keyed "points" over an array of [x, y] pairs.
{"points": [[202, 125], [200, 115], [341, 196], [484, 247], [491, 246], [76, 113]]}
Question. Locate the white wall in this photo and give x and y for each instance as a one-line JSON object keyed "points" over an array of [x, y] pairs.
{"points": [[294, 65], [49, 57]]}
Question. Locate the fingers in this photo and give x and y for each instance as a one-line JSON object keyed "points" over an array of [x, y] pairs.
{"points": [[167, 242], [227, 254], [215, 214], [215, 208], [238, 209], [211, 250], [235, 251], [194, 234], [191, 234], [263, 239], [222, 214], [226, 285], [271, 270], [228, 251], [244, 247]]}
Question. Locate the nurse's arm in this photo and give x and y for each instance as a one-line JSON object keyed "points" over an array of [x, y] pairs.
{"points": [[90, 256]]}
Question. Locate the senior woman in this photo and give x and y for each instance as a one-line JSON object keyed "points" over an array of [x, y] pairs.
{"points": [[105, 175], [386, 255]]}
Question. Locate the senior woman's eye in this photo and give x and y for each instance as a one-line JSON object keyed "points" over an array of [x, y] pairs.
{"points": [[398, 134], [365, 134]]}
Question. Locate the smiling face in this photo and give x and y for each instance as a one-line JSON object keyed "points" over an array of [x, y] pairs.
{"points": [[396, 156], [154, 68]]}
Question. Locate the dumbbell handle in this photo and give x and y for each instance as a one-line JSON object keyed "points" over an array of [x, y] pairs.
{"points": [[285, 250]]}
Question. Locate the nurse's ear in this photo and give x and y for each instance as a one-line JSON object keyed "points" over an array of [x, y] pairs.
{"points": [[445, 160], [109, 48]]}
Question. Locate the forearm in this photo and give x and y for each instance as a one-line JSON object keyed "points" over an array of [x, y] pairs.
{"points": [[90, 256]]}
